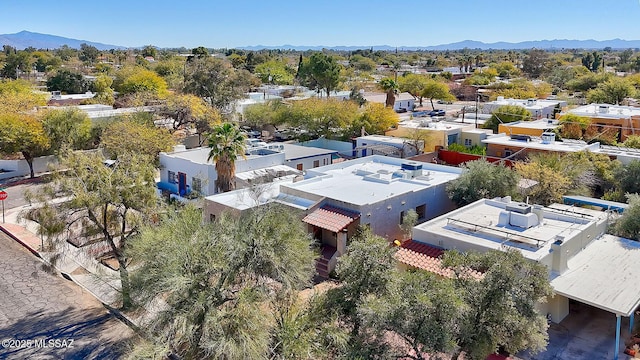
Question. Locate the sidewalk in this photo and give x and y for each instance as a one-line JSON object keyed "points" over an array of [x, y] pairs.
{"points": [[73, 263]]}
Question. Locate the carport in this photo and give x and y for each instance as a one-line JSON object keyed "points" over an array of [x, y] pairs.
{"points": [[604, 275]]}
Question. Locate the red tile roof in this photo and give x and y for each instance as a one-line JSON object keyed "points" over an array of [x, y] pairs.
{"points": [[426, 257], [331, 218]]}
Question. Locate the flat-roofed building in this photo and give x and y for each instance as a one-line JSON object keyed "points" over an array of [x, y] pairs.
{"points": [[373, 191], [626, 119], [537, 107], [585, 264]]}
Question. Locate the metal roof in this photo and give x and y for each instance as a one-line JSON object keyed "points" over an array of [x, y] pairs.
{"points": [[604, 275]]}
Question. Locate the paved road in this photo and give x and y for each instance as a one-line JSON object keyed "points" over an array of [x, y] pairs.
{"points": [[36, 305]]}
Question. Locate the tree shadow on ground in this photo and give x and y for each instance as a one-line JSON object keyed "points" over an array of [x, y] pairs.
{"points": [[96, 334]]}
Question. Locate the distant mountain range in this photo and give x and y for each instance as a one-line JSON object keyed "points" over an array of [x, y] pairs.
{"points": [[471, 44], [25, 39]]}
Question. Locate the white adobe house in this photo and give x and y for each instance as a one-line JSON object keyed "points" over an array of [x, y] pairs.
{"points": [[585, 264], [404, 100], [374, 191], [537, 107], [183, 171]]}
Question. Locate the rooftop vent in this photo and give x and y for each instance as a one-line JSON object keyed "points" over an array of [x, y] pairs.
{"points": [[520, 137], [411, 166], [603, 109], [520, 208], [548, 137], [531, 102]]}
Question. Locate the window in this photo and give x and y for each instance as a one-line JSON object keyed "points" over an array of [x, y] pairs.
{"points": [[401, 217], [421, 210], [172, 177], [324, 161], [467, 142], [212, 218], [196, 184], [299, 167], [507, 153], [316, 163]]}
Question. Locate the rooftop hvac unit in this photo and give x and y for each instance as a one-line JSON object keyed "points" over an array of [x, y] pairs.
{"points": [[603, 109], [411, 166], [548, 137], [520, 208]]}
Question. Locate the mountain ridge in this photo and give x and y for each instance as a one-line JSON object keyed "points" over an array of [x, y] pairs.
{"points": [[24, 39]]}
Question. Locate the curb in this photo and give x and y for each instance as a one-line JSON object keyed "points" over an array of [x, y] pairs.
{"points": [[32, 250]]}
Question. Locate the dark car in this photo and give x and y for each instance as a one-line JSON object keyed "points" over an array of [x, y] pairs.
{"points": [[401, 110], [437, 112]]}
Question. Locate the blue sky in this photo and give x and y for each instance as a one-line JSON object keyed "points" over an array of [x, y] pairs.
{"points": [[236, 23]]}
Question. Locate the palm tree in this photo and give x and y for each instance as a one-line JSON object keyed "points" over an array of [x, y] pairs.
{"points": [[389, 86], [226, 142]]}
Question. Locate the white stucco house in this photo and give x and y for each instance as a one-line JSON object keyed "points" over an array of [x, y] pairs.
{"points": [[374, 191], [183, 171]]}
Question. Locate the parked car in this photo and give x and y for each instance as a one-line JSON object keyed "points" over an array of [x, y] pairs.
{"points": [[437, 112], [420, 113], [444, 102], [401, 110]]}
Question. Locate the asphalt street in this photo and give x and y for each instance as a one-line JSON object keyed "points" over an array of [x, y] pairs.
{"points": [[44, 316]]}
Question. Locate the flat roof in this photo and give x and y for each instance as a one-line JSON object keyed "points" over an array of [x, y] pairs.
{"points": [[247, 198], [477, 224], [533, 143], [428, 124], [292, 151], [541, 124], [275, 170], [604, 275], [606, 111], [383, 138], [370, 179], [199, 155], [535, 104], [382, 97]]}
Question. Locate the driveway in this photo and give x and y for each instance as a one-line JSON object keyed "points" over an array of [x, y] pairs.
{"points": [[38, 305], [586, 333]]}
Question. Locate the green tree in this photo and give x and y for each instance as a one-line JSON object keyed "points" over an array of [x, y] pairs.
{"points": [[111, 203], [88, 53], [389, 86], [68, 81], [104, 92], [274, 72], [217, 280], [375, 119], [66, 128], [365, 269], [628, 225], [18, 97], [501, 307], [216, 82], [16, 63], [414, 84], [437, 90], [613, 91], [132, 80], [482, 180], [551, 185], [21, 133], [628, 178], [362, 63], [506, 114], [127, 136], [632, 141], [226, 142], [423, 311], [321, 72], [536, 63], [149, 50]]}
